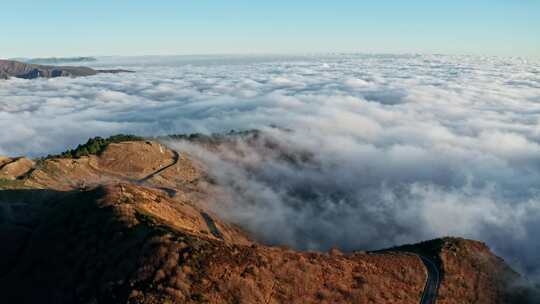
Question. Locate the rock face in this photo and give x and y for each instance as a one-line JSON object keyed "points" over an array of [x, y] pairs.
{"points": [[134, 225], [10, 68], [14, 168]]}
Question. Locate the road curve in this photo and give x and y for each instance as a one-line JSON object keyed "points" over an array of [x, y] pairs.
{"points": [[176, 157], [429, 295]]}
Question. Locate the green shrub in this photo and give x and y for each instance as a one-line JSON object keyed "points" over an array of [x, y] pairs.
{"points": [[94, 146]]}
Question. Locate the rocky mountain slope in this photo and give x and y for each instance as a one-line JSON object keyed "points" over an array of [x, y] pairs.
{"points": [[134, 223], [10, 68]]}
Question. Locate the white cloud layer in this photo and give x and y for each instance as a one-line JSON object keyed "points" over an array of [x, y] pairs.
{"points": [[404, 147]]}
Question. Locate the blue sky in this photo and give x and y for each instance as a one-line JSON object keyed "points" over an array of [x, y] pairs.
{"points": [[133, 27]]}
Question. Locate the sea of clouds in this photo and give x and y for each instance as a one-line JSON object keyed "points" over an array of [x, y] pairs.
{"points": [[399, 148]]}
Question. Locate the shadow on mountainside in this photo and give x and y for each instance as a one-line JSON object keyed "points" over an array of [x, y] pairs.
{"points": [[69, 248], [97, 246], [21, 211]]}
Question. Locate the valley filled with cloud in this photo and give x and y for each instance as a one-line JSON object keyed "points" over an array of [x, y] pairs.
{"points": [[398, 149]]}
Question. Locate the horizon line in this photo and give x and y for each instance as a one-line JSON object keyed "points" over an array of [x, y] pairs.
{"points": [[255, 54]]}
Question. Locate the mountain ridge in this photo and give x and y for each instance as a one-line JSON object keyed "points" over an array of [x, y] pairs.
{"points": [[93, 229]]}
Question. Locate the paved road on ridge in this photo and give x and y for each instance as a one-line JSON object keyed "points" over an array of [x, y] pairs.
{"points": [[429, 295], [176, 157]]}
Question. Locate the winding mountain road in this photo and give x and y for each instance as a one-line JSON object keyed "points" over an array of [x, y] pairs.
{"points": [[429, 295], [176, 157], [212, 225], [433, 280]]}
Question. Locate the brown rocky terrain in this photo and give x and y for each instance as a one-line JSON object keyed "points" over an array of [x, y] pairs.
{"points": [[133, 224], [13, 168], [11, 68], [471, 273]]}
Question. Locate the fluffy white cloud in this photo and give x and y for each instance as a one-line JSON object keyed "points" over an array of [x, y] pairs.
{"points": [[404, 147]]}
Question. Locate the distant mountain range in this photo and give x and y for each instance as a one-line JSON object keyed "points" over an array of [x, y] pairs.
{"points": [[55, 60], [12, 68]]}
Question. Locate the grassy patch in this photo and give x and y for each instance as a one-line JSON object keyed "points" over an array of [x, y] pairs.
{"points": [[11, 183]]}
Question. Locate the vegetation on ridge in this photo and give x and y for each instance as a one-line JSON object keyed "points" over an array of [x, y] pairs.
{"points": [[94, 146]]}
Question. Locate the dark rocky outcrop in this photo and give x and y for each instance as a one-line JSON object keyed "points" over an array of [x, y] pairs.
{"points": [[10, 68]]}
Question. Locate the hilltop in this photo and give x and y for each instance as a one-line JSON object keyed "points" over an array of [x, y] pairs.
{"points": [[129, 220]]}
